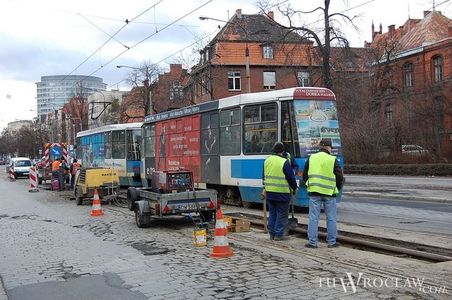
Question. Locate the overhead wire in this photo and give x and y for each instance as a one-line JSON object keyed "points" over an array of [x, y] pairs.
{"points": [[149, 36], [111, 37]]}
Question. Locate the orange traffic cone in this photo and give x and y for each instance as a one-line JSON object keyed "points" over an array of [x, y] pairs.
{"points": [[221, 246], [97, 210]]}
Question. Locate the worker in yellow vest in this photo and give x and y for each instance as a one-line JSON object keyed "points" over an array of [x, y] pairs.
{"points": [[324, 178], [279, 184]]}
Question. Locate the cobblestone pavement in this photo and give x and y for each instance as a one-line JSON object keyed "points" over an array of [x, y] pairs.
{"points": [[46, 238]]}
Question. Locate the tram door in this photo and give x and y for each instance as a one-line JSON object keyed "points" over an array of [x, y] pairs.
{"points": [[210, 140]]}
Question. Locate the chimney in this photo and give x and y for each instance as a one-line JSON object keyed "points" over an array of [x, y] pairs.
{"points": [[426, 13], [238, 12], [271, 15], [391, 30]]}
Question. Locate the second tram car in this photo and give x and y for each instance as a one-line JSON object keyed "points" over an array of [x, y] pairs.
{"points": [[116, 146], [225, 142]]}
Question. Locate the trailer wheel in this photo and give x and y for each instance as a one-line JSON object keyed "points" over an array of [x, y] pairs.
{"points": [[206, 216], [132, 197], [78, 196], [141, 219]]}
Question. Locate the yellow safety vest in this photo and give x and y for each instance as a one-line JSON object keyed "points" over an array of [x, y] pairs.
{"points": [[274, 177], [321, 178]]}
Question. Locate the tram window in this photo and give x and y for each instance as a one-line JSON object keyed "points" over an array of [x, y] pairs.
{"points": [[107, 139], [118, 144], [289, 134], [230, 132], [260, 128], [133, 144]]}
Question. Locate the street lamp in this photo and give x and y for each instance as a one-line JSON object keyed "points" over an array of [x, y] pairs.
{"points": [[247, 50]]}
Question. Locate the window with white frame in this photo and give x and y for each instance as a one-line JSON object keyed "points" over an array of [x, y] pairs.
{"points": [[234, 81], [269, 80], [304, 78], [176, 91], [388, 113], [408, 72], [267, 51], [437, 68]]}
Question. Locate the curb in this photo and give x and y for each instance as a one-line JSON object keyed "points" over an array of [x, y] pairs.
{"points": [[397, 197]]}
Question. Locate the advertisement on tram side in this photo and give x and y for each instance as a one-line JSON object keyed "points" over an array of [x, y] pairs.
{"points": [[316, 120], [177, 145]]}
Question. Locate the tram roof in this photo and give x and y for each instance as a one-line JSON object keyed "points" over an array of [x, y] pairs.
{"points": [[247, 98], [110, 127]]}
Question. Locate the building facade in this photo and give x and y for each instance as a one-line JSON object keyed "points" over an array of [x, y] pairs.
{"points": [[252, 53], [54, 91], [412, 83]]}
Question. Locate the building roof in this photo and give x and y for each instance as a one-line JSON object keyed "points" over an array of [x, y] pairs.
{"points": [[256, 28], [415, 33]]}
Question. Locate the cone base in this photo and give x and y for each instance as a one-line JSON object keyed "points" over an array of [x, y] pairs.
{"points": [[97, 213], [223, 253]]}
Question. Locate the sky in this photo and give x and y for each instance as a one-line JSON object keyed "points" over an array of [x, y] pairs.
{"points": [[54, 37]]}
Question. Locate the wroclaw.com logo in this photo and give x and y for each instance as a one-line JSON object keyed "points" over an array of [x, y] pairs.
{"points": [[351, 283]]}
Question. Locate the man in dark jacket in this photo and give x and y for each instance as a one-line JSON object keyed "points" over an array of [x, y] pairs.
{"points": [[324, 178], [279, 184]]}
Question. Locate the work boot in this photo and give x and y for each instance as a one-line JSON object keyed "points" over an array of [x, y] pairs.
{"points": [[282, 238]]}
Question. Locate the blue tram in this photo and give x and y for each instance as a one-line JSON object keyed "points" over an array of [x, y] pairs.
{"points": [[225, 142], [115, 146]]}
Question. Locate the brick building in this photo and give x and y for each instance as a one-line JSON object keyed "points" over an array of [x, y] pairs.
{"points": [[412, 82], [168, 91], [252, 53]]}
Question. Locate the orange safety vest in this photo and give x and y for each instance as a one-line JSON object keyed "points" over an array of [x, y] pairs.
{"points": [[56, 165], [75, 167]]}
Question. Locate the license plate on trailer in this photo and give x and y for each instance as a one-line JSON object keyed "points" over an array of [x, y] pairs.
{"points": [[189, 206]]}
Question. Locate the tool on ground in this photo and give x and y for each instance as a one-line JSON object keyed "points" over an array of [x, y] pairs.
{"points": [[264, 206], [221, 246], [97, 209], [293, 222]]}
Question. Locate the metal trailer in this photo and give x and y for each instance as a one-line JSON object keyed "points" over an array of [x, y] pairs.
{"points": [[147, 204]]}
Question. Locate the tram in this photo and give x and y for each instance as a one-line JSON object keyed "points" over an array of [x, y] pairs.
{"points": [[116, 146], [225, 142]]}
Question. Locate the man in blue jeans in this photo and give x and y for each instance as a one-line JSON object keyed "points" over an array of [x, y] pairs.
{"points": [[324, 178], [279, 184]]}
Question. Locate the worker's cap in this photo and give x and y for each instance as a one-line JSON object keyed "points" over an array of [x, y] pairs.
{"points": [[325, 143], [278, 147]]}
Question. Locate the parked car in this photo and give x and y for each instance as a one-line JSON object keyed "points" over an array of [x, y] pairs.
{"points": [[21, 166], [414, 150]]}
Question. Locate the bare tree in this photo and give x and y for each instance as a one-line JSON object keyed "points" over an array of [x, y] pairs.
{"points": [[331, 34], [141, 80]]}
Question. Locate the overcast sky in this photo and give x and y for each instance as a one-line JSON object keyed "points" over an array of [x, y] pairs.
{"points": [[55, 37]]}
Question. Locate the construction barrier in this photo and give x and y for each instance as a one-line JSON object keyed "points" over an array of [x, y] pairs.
{"points": [[221, 246], [12, 177], [33, 180], [97, 209]]}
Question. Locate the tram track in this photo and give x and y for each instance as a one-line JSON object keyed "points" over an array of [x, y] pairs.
{"points": [[369, 243]]}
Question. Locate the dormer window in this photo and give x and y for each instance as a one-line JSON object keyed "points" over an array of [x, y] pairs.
{"points": [[267, 51]]}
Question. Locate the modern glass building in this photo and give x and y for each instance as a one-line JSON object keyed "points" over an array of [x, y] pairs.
{"points": [[54, 91]]}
